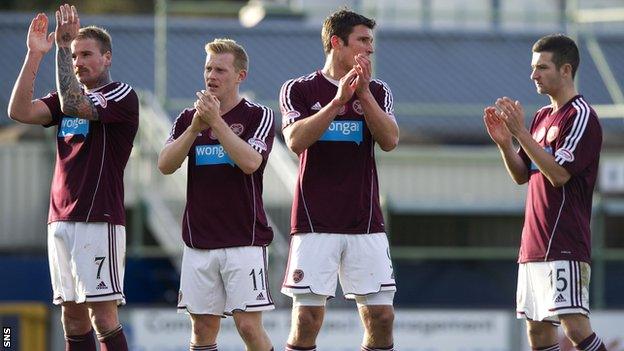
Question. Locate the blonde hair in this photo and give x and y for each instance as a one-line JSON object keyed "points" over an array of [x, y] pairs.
{"points": [[229, 46], [98, 34]]}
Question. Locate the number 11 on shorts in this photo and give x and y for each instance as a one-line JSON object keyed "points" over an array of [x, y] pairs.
{"points": [[260, 276]]}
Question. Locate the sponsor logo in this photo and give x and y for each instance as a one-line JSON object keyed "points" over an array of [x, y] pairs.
{"points": [[260, 297], [317, 106], [533, 165], [258, 143], [71, 126], [297, 275], [101, 286], [211, 155], [565, 154], [539, 134], [100, 98], [560, 299], [357, 107], [349, 131], [552, 134], [237, 128]]}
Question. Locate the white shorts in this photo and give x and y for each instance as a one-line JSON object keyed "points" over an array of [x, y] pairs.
{"points": [[86, 261], [222, 281], [361, 262], [549, 289]]}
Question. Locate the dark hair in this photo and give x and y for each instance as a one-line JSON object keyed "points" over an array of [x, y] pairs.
{"points": [[563, 48], [341, 23], [98, 34]]}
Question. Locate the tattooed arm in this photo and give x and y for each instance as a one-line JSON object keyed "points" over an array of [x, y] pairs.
{"points": [[73, 101], [22, 107]]}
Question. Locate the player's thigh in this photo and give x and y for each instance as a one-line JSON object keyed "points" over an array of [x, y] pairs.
{"points": [[201, 287], [556, 288], [87, 261], [246, 280], [570, 282], [366, 265], [99, 255], [313, 263], [60, 239]]}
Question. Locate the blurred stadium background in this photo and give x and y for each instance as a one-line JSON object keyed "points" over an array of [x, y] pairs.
{"points": [[454, 215]]}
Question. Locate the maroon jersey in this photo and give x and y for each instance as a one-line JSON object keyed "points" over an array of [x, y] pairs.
{"points": [[223, 204], [337, 188], [91, 156], [556, 224]]}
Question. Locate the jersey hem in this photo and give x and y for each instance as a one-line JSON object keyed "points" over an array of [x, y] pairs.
{"points": [[550, 259], [373, 230], [84, 220], [188, 244]]}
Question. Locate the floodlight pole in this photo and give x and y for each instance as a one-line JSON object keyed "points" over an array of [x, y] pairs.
{"points": [[160, 52]]}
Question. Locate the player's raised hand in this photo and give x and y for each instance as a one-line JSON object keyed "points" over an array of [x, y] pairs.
{"points": [[512, 114], [207, 106], [38, 39], [495, 126], [197, 124], [364, 70], [346, 87], [67, 25]]}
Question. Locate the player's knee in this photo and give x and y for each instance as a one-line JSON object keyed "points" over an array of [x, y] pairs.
{"points": [[542, 334], [309, 320], [201, 327], [104, 323], [204, 328], [104, 319], [380, 319], [576, 333], [75, 322], [248, 329]]}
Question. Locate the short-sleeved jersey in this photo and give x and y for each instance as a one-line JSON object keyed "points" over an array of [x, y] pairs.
{"points": [[557, 219], [224, 205], [91, 156], [337, 188]]}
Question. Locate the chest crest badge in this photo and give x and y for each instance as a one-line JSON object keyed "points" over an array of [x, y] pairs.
{"points": [[357, 107], [237, 128], [539, 134], [553, 132]]}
